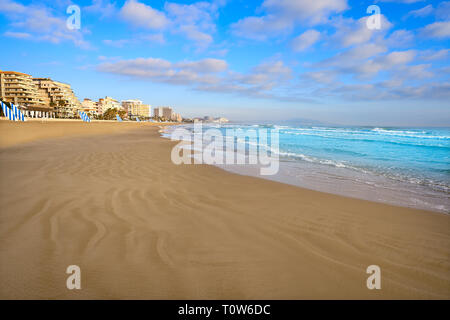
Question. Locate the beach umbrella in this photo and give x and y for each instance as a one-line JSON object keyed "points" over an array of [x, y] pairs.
{"points": [[84, 116], [8, 113], [17, 113]]}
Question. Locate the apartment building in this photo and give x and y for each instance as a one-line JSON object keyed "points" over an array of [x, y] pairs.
{"points": [[135, 107], [167, 112], [176, 117], [89, 106], [20, 89], [107, 103], [157, 112], [58, 96]]}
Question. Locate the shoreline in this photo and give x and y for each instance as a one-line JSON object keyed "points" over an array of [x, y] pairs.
{"points": [[149, 229], [357, 189], [343, 181]]}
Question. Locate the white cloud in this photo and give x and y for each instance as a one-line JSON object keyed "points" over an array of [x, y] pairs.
{"points": [[117, 43], [403, 1], [219, 52], [18, 35], [353, 56], [305, 40], [274, 68], [142, 15], [422, 12], [282, 15], [443, 11], [321, 77], [438, 30], [402, 79], [351, 32], [413, 72], [204, 66], [156, 37], [103, 7], [193, 33], [385, 90], [400, 38], [195, 21], [431, 55], [261, 28], [205, 75], [161, 70], [10, 6], [263, 81], [40, 22], [387, 62], [313, 12], [137, 39], [365, 62]]}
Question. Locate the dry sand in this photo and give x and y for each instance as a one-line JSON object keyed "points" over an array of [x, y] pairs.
{"points": [[140, 227]]}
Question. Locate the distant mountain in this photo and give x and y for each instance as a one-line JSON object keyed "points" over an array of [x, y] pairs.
{"points": [[287, 122], [302, 122]]}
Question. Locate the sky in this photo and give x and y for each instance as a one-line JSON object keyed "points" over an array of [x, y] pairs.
{"points": [[335, 61]]}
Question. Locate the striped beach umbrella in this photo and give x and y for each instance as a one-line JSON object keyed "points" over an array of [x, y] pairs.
{"points": [[8, 113], [17, 113], [118, 118], [84, 116]]}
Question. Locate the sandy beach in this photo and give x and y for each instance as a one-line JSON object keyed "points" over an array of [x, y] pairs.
{"points": [[106, 197]]}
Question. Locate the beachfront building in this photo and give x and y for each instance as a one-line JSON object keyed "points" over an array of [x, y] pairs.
{"points": [[58, 97], [128, 105], [19, 88], [135, 108], [143, 110], [176, 117], [157, 112], [108, 103], [167, 112], [222, 120], [89, 106]]}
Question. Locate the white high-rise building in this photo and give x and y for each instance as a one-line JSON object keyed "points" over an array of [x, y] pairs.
{"points": [[158, 112], [167, 112]]}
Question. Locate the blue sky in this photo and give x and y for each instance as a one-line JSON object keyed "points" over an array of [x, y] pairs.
{"points": [[245, 60]]}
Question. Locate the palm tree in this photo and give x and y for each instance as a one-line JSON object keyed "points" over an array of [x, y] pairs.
{"points": [[62, 108], [122, 113], [110, 114]]}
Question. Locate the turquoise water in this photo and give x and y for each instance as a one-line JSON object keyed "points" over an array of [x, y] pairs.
{"points": [[414, 155], [404, 166]]}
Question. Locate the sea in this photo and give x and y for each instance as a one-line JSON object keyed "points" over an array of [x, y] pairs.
{"points": [[395, 165]]}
